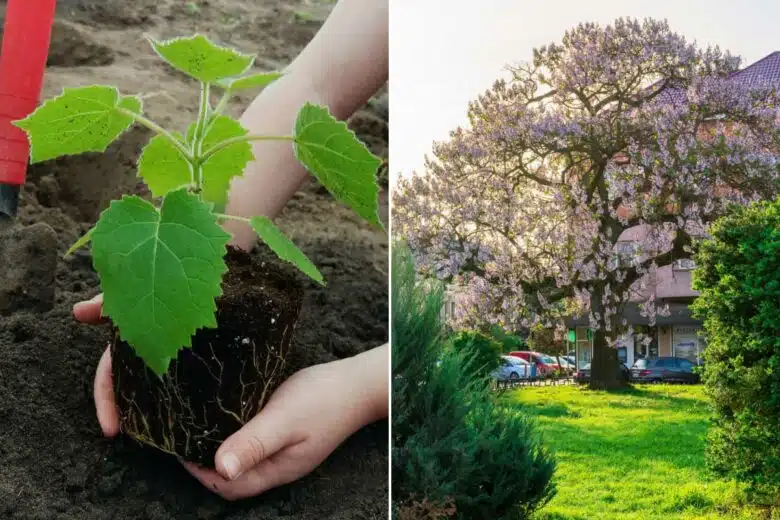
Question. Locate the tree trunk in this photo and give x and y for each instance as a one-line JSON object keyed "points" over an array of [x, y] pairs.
{"points": [[604, 372]]}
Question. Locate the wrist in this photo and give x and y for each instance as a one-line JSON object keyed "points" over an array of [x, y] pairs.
{"points": [[368, 388]]}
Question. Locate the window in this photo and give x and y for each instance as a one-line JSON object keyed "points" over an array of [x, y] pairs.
{"points": [[653, 350], [684, 364], [624, 253], [449, 310]]}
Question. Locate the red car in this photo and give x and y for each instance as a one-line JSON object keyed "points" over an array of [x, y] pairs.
{"points": [[544, 363]]}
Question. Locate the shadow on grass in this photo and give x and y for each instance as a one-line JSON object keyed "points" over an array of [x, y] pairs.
{"points": [[558, 516], [665, 400], [644, 446], [649, 438], [690, 500], [644, 438], [644, 393], [552, 410]]}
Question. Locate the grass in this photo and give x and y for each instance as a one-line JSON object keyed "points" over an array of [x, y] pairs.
{"points": [[636, 454]]}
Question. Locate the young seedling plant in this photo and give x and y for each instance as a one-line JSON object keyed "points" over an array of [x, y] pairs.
{"points": [[161, 264]]}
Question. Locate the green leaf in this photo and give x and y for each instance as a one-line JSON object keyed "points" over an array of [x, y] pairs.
{"points": [[163, 167], [262, 79], [160, 271], [199, 57], [220, 168], [284, 248], [332, 153], [85, 119], [81, 242]]}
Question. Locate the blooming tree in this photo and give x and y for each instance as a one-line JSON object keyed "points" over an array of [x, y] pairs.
{"points": [[623, 127]]}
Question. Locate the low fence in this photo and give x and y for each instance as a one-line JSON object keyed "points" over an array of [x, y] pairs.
{"points": [[533, 381]]}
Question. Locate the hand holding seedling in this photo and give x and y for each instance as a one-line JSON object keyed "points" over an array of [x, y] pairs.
{"points": [[292, 434], [357, 388]]}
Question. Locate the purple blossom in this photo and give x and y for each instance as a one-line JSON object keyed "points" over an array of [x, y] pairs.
{"points": [[624, 130]]}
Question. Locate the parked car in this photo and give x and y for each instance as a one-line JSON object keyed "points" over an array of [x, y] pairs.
{"points": [[583, 374], [512, 369], [566, 364], [664, 369], [545, 365]]}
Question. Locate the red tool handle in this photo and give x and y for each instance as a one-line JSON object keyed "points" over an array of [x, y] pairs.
{"points": [[25, 48]]}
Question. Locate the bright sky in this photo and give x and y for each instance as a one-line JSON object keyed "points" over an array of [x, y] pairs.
{"points": [[444, 53]]}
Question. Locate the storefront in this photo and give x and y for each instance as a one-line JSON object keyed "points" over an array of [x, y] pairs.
{"points": [[626, 350], [683, 341], [584, 346], [688, 343], [677, 334], [628, 347]]}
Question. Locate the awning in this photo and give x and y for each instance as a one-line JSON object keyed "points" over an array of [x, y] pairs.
{"points": [[679, 314]]}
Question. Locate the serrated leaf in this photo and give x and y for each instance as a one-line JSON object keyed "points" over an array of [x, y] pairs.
{"points": [[227, 163], [339, 161], [160, 271], [284, 247], [262, 79], [202, 59], [85, 119], [163, 167], [81, 242]]}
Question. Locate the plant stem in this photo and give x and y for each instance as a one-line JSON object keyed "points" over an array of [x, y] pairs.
{"points": [[244, 138], [197, 140], [151, 125], [221, 104], [224, 216]]}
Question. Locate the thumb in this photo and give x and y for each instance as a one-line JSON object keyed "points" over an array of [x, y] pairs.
{"points": [[267, 433], [89, 311]]}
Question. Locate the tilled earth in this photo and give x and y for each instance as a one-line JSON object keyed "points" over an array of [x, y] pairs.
{"points": [[54, 463]]}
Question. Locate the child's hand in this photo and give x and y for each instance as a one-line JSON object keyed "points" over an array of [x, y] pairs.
{"points": [[304, 421]]}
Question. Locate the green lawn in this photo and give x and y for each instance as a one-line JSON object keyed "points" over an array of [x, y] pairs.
{"points": [[629, 455]]}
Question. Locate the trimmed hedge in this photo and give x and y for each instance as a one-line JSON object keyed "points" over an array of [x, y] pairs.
{"points": [[738, 275]]}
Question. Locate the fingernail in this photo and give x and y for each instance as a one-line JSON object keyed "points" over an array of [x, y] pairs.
{"points": [[82, 304], [232, 466]]}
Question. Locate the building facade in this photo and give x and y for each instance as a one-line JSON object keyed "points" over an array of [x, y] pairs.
{"points": [[678, 334]]}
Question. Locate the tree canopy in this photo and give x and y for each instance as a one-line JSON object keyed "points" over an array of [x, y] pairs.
{"points": [[626, 130]]}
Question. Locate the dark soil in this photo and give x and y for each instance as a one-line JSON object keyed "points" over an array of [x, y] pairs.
{"points": [[218, 385], [54, 462]]}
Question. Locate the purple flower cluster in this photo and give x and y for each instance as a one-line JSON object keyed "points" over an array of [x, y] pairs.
{"points": [[625, 134]]}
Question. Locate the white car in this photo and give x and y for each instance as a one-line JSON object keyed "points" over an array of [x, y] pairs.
{"points": [[512, 369]]}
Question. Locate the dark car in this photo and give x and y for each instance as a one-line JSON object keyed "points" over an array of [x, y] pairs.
{"points": [[583, 374], [664, 369]]}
